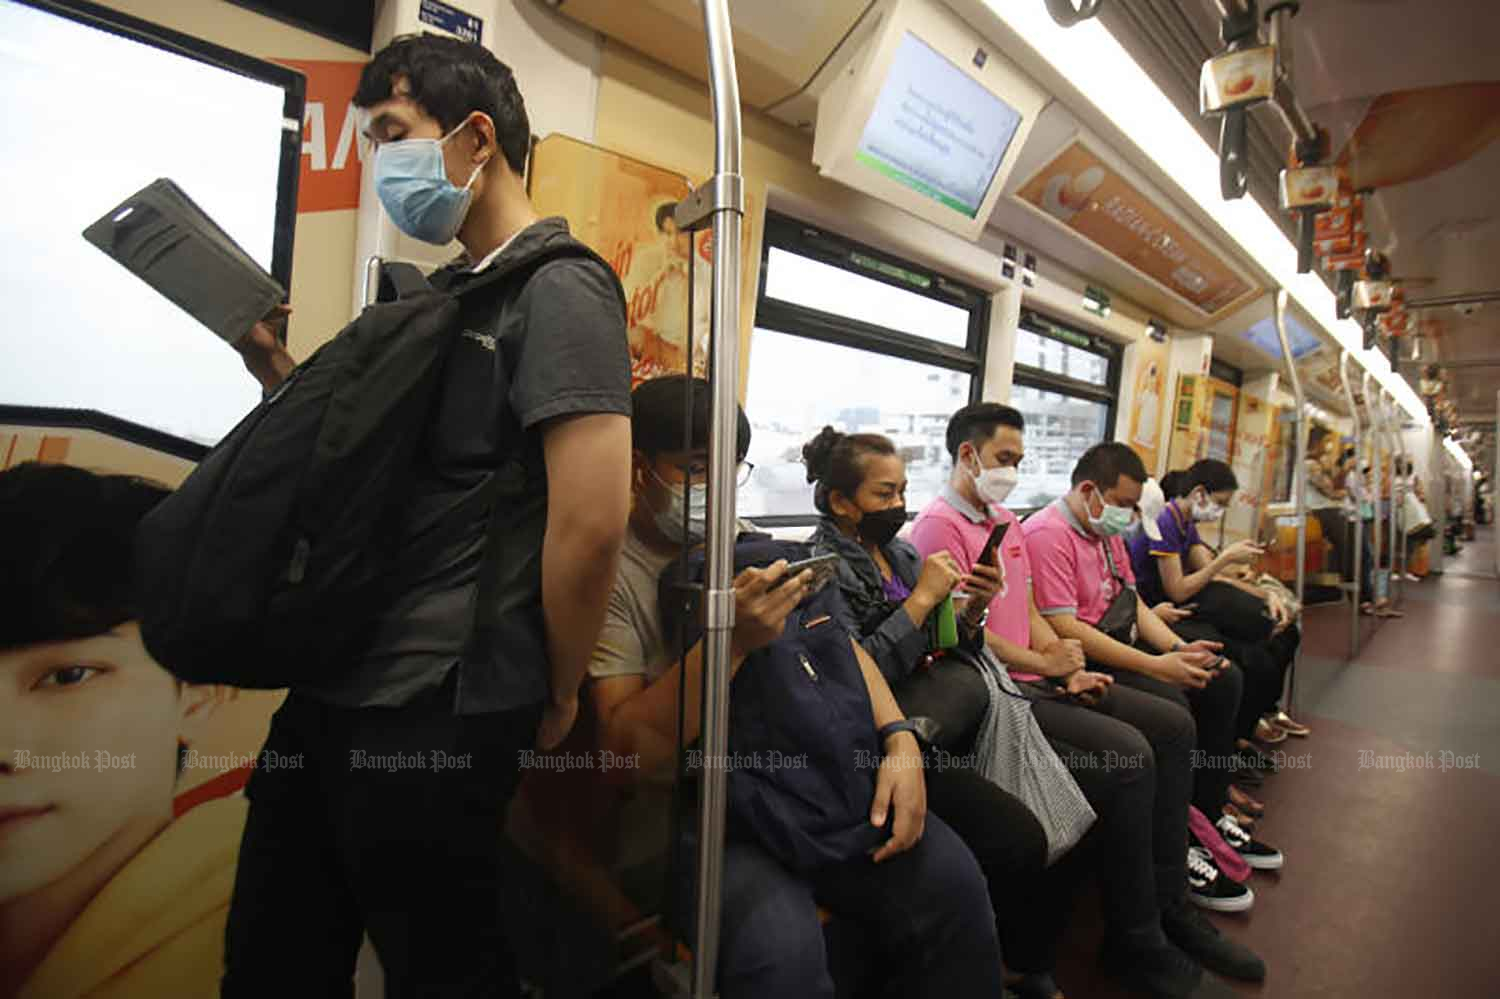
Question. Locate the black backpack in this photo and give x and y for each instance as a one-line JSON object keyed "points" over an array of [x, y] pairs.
{"points": [[272, 560], [802, 741]]}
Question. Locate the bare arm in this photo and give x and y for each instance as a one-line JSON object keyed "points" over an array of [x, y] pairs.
{"points": [[588, 503], [1099, 647]]}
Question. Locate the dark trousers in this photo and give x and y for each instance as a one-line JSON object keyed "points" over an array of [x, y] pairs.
{"points": [[390, 826], [1132, 758], [1215, 709], [925, 913], [1011, 848]]}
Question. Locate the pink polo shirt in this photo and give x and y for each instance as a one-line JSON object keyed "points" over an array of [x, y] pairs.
{"points": [[950, 523], [1070, 574]]}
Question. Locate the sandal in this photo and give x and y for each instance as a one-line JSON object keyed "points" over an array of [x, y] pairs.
{"points": [[1289, 725], [1389, 612], [1239, 799], [1268, 733]]}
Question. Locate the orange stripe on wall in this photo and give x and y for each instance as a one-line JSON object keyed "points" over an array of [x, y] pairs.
{"points": [[54, 450], [10, 450]]}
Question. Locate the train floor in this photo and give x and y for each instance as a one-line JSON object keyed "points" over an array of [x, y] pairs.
{"points": [[1387, 814]]}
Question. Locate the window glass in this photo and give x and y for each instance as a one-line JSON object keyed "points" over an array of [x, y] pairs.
{"points": [[1059, 428], [791, 277], [797, 386], [1055, 357]]}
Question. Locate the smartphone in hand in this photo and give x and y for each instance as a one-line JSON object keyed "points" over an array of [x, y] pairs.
{"points": [[822, 568], [990, 554]]}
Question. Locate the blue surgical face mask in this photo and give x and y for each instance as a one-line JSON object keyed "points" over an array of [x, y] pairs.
{"points": [[670, 520], [413, 185]]}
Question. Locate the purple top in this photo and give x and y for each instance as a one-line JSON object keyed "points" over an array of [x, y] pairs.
{"points": [[895, 590]]}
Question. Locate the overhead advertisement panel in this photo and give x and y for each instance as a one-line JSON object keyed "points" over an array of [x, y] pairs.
{"points": [[1081, 191]]}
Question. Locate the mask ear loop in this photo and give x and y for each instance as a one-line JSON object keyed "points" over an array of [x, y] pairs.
{"points": [[444, 141]]}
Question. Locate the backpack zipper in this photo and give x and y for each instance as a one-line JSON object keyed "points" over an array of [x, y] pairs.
{"points": [[811, 673]]}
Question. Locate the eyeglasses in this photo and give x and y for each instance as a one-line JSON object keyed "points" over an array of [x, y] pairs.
{"points": [[698, 472]]}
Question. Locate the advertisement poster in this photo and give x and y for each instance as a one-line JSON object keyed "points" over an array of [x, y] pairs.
{"points": [[1150, 397], [621, 207], [1080, 191], [330, 135], [122, 811]]}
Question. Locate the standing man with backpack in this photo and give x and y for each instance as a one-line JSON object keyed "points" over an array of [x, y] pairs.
{"points": [[409, 755]]}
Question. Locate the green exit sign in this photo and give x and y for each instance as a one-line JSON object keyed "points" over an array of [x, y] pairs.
{"points": [[1096, 300]]}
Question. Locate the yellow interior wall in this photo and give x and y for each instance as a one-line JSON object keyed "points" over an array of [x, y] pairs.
{"points": [[658, 115], [323, 249]]}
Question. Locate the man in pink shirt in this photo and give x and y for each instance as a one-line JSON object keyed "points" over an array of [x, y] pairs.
{"points": [[1130, 751], [1085, 588]]}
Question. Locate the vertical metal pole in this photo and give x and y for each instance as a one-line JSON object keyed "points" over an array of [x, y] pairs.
{"points": [[724, 359], [1372, 399], [1299, 476], [1393, 440], [1359, 522]]}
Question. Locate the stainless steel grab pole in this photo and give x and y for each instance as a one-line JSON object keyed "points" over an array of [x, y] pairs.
{"points": [[1393, 436], [1359, 521], [718, 604], [1299, 477], [1372, 400]]}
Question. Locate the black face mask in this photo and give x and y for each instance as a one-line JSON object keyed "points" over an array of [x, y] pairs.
{"points": [[880, 527]]}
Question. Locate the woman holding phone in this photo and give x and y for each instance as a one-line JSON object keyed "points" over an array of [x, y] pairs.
{"points": [[1172, 563]]}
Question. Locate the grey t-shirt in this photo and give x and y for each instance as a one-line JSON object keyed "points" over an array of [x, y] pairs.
{"points": [[555, 347], [631, 642]]}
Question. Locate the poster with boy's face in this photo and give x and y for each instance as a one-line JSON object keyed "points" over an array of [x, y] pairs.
{"points": [[120, 804]]}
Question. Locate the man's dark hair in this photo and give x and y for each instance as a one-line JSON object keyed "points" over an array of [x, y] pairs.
{"points": [[450, 79], [1103, 464], [836, 463], [977, 423], [656, 416], [1213, 475], [67, 534]]}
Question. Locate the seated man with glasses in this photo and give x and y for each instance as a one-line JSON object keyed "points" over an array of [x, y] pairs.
{"points": [[920, 899], [1085, 587]]}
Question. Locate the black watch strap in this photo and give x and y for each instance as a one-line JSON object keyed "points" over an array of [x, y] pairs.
{"points": [[925, 729]]}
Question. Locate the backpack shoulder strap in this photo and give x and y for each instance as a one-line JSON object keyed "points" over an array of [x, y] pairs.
{"points": [[401, 280], [520, 271]]}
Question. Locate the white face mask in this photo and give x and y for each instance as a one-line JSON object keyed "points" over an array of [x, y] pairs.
{"points": [[994, 484], [1206, 510]]}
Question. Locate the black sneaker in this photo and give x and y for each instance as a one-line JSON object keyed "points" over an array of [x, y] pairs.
{"points": [[1210, 889], [1161, 971], [1202, 941], [1258, 855]]}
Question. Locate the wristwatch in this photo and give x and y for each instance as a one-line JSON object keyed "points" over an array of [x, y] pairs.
{"points": [[924, 729]]}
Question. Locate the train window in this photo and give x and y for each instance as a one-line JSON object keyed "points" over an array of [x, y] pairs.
{"points": [[1065, 383], [848, 336]]}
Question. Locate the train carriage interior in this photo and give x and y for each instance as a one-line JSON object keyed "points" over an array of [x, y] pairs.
{"points": [[1262, 234]]}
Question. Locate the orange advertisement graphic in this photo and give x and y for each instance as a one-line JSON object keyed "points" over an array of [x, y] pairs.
{"points": [[330, 136], [1080, 191], [621, 208]]}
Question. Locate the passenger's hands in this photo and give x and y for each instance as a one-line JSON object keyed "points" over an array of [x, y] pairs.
{"points": [[1201, 645], [261, 350], [1064, 656], [900, 789], [1280, 614], [1088, 685], [983, 584], [939, 576], [1170, 614], [760, 611], [1185, 669], [557, 721], [1240, 553]]}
